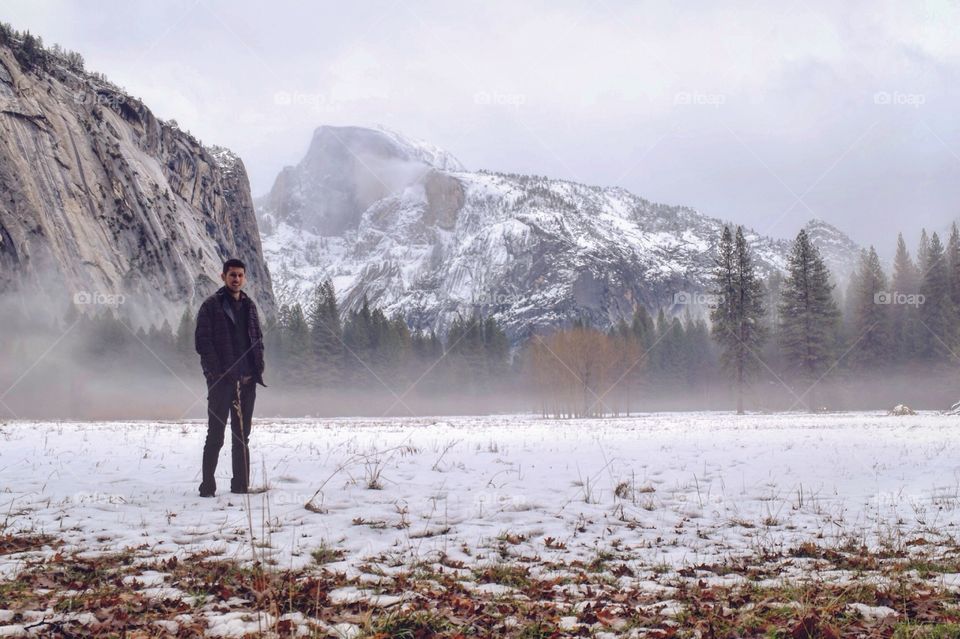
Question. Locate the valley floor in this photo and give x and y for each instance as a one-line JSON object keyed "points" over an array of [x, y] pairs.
{"points": [[671, 524]]}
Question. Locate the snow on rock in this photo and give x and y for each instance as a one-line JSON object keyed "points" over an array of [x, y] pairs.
{"points": [[423, 150], [902, 409]]}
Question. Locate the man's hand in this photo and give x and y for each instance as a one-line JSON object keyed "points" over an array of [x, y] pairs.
{"points": [[245, 379]]}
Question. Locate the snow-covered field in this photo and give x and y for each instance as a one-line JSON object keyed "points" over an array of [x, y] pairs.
{"points": [[659, 492]]}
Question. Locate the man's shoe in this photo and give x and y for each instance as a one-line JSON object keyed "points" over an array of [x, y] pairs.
{"points": [[239, 491], [207, 492]]}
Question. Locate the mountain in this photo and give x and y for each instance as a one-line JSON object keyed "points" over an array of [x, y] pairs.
{"points": [[406, 226], [100, 198], [838, 250]]}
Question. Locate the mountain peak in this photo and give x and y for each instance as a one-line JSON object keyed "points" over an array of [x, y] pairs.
{"points": [[837, 247], [349, 168], [384, 143], [820, 227]]}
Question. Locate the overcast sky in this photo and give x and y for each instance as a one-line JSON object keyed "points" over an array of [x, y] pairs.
{"points": [[762, 113]]}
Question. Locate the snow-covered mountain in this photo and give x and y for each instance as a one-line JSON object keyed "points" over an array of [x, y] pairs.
{"points": [[838, 250], [405, 225]]}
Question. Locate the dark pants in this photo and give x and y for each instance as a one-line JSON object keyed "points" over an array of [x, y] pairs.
{"points": [[221, 399]]}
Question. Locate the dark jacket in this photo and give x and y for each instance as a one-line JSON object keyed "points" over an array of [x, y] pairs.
{"points": [[214, 341]]}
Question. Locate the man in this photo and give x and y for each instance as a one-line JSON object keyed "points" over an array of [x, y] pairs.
{"points": [[230, 343]]}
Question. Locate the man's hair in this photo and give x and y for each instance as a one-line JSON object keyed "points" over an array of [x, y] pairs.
{"points": [[233, 263]]}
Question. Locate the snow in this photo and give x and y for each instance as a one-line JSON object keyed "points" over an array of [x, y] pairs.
{"points": [[225, 158], [695, 487], [873, 612], [345, 631], [352, 595]]}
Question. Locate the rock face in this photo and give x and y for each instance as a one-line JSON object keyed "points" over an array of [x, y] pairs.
{"points": [[347, 170], [100, 198], [414, 232]]}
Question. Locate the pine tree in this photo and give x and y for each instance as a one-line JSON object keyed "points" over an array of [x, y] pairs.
{"points": [[808, 313], [870, 313], [383, 347], [698, 355], [851, 300], [738, 315], [770, 354], [108, 337], [496, 349], [923, 253], [642, 328], [31, 53], [659, 349], [953, 272], [273, 338], [298, 360], [724, 313], [466, 354], [936, 312], [668, 356], [402, 338], [185, 331], [953, 265], [674, 348], [358, 340], [904, 335], [326, 334]]}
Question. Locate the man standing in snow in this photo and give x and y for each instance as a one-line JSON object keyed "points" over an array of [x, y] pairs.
{"points": [[230, 343]]}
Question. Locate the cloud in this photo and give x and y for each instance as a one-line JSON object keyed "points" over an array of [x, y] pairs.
{"points": [[736, 109]]}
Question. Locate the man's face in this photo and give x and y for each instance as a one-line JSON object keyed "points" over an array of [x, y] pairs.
{"points": [[234, 278]]}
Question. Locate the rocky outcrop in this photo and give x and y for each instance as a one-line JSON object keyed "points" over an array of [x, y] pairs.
{"points": [[100, 200]]}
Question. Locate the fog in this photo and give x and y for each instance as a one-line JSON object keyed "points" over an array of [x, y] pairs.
{"points": [[57, 364]]}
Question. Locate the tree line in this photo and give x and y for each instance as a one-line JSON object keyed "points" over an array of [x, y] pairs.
{"points": [[797, 328], [364, 349], [794, 329]]}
